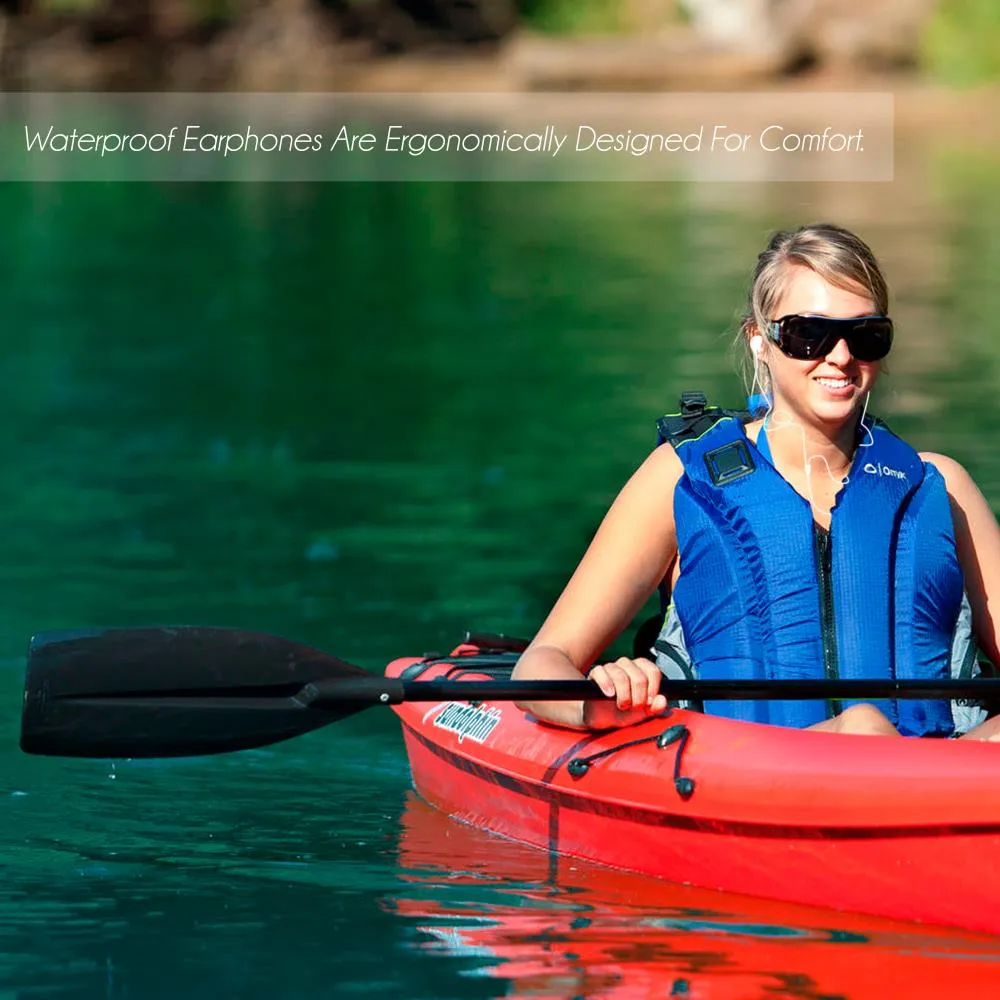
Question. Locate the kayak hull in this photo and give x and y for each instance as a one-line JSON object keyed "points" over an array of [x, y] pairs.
{"points": [[901, 828]]}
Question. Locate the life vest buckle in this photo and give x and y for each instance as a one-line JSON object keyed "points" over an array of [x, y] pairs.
{"points": [[693, 404]]}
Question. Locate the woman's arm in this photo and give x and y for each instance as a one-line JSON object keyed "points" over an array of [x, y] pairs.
{"points": [[977, 537], [632, 551]]}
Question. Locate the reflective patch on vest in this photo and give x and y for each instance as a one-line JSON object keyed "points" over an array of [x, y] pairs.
{"points": [[472, 722], [730, 462]]}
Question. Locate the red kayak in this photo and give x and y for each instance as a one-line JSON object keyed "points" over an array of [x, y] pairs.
{"points": [[572, 929], [902, 828]]}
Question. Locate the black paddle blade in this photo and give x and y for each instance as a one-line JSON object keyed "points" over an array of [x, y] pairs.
{"points": [[173, 692]]}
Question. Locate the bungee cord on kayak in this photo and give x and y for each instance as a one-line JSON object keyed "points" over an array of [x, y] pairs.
{"points": [[678, 733]]}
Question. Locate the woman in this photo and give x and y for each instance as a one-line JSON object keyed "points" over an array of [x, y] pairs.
{"points": [[810, 542]]}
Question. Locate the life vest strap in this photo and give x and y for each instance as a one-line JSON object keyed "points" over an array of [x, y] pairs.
{"points": [[694, 419]]}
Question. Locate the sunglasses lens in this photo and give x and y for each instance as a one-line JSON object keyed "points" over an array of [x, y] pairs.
{"points": [[803, 338], [871, 339], [808, 337]]}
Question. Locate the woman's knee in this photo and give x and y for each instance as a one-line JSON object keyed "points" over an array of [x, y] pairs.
{"points": [[988, 730], [866, 720]]}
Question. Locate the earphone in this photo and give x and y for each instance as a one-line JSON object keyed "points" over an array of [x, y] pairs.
{"points": [[755, 343]]}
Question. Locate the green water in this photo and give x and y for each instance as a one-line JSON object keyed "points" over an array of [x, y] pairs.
{"points": [[370, 417]]}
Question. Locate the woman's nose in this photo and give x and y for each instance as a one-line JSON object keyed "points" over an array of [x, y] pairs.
{"points": [[840, 353]]}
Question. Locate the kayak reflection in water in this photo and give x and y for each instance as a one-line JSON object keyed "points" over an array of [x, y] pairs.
{"points": [[807, 541]]}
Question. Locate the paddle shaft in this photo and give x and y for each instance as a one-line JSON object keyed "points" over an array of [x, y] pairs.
{"points": [[394, 691], [183, 691]]}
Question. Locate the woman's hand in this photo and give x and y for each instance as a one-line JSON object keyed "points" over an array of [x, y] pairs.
{"points": [[634, 686]]}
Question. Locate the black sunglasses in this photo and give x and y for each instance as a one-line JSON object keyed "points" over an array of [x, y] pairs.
{"points": [[807, 337]]}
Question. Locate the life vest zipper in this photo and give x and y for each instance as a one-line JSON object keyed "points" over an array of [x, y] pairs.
{"points": [[828, 624]]}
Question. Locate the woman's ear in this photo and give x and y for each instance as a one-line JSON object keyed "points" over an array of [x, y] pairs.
{"points": [[753, 334]]}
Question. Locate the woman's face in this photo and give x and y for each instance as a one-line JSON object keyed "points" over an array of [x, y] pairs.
{"points": [[827, 391]]}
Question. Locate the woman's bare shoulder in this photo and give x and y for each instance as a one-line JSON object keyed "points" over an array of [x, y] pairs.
{"points": [[642, 497], [663, 463]]}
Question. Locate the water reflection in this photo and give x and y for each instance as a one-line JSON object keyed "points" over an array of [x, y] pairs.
{"points": [[594, 932]]}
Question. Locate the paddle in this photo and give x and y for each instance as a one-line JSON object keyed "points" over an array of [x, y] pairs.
{"points": [[175, 692]]}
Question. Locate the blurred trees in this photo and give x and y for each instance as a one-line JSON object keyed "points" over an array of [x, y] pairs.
{"points": [[398, 22], [962, 41], [209, 43]]}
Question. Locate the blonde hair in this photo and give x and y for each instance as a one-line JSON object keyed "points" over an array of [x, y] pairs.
{"points": [[836, 254]]}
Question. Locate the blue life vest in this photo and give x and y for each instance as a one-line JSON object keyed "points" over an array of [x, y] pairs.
{"points": [[764, 592]]}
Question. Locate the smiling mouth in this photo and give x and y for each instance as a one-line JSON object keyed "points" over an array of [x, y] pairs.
{"points": [[835, 383]]}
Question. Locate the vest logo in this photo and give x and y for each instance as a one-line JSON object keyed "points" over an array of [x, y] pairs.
{"points": [[471, 722], [883, 470]]}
